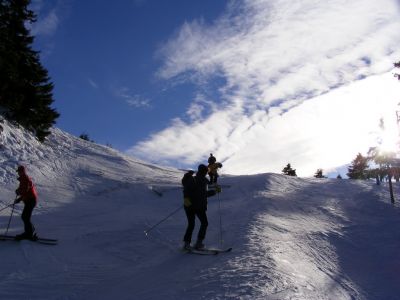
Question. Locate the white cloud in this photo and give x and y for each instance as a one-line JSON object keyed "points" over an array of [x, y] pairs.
{"points": [[324, 132], [132, 99], [199, 107], [46, 25], [274, 55]]}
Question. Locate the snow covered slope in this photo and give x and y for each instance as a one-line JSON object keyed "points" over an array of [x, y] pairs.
{"points": [[293, 238]]}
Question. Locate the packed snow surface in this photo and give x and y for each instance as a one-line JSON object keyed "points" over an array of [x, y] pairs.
{"points": [[292, 238]]}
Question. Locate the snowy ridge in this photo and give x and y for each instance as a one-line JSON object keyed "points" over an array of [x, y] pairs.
{"points": [[65, 156], [292, 238]]}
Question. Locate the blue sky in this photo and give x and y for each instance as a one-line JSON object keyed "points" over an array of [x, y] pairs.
{"points": [[259, 83], [103, 60]]}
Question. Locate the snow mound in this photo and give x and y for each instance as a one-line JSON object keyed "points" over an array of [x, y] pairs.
{"points": [[68, 165], [292, 238]]}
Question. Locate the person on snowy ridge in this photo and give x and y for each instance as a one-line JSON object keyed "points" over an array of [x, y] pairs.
{"points": [[27, 193], [195, 195], [212, 159], [213, 168]]}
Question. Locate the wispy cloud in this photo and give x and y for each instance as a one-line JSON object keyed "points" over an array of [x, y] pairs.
{"points": [[273, 55], [134, 100], [93, 84], [200, 107], [47, 23], [49, 17]]}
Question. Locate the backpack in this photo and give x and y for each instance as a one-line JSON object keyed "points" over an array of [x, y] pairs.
{"points": [[187, 182], [187, 179]]}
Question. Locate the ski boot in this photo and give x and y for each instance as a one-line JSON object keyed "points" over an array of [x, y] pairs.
{"points": [[22, 236], [186, 246], [34, 237], [199, 245]]}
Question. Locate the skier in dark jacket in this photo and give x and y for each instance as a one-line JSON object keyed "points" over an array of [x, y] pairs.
{"points": [[27, 194], [195, 203]]}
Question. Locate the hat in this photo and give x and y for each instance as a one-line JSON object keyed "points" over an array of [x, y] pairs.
{"points": [[202, 169], [21, 169]]}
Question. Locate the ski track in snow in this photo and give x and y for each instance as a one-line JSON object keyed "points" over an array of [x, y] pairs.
{"points": [[292, 238]]}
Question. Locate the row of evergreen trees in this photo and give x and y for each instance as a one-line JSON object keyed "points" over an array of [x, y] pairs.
{"points": [[385, 163], [25, 87], [288, 170]]}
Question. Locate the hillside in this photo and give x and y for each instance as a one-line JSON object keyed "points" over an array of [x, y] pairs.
{"points": [[292, 238]]}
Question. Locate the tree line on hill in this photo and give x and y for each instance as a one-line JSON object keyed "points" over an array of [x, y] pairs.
{"points": [[386, 166], [25, 86], [288, 170]]}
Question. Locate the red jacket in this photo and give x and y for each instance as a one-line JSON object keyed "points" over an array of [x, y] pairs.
{"points": [[26, 188]]}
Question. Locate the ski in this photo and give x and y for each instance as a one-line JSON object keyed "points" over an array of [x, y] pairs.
{"points": [[224, 186], [38, 239], [207, 251]]}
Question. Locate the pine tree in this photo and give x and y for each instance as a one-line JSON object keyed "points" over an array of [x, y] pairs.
{"points": [[319, 174], [85, 136], [358, 168], [397, 65], [25, 87], [289, 171]]}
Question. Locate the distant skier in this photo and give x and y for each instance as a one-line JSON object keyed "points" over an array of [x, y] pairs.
{"points": [[213, 168], [195, 195], [27, 193], [211, 159]]}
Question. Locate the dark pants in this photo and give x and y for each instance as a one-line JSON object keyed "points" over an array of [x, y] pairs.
{"points": [[191, 216], [213, 177], [26, 216]]}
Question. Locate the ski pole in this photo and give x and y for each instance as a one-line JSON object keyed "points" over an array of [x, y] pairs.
{"points": [[171, 214], [9, 221], [6, 207], [220, 221]]}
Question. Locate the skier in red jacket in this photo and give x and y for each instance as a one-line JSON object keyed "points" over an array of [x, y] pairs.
{"points": [[27, 193]]}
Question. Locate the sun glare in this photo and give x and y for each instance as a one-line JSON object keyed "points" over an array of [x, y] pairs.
{"points": [[383, 112], [389, 140]]}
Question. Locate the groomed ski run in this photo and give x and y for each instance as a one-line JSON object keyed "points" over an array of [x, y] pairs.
{"points": [[293, 238]]}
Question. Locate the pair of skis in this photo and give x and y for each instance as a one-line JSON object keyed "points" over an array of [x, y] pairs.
{"points": [[206, 251], [37, 239]]}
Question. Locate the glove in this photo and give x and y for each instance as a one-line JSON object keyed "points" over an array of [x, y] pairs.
{"points": [[218, 189], [18, 200], [187, 202]]}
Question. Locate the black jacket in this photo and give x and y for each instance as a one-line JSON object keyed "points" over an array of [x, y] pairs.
{"points": [[195, 188]]}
